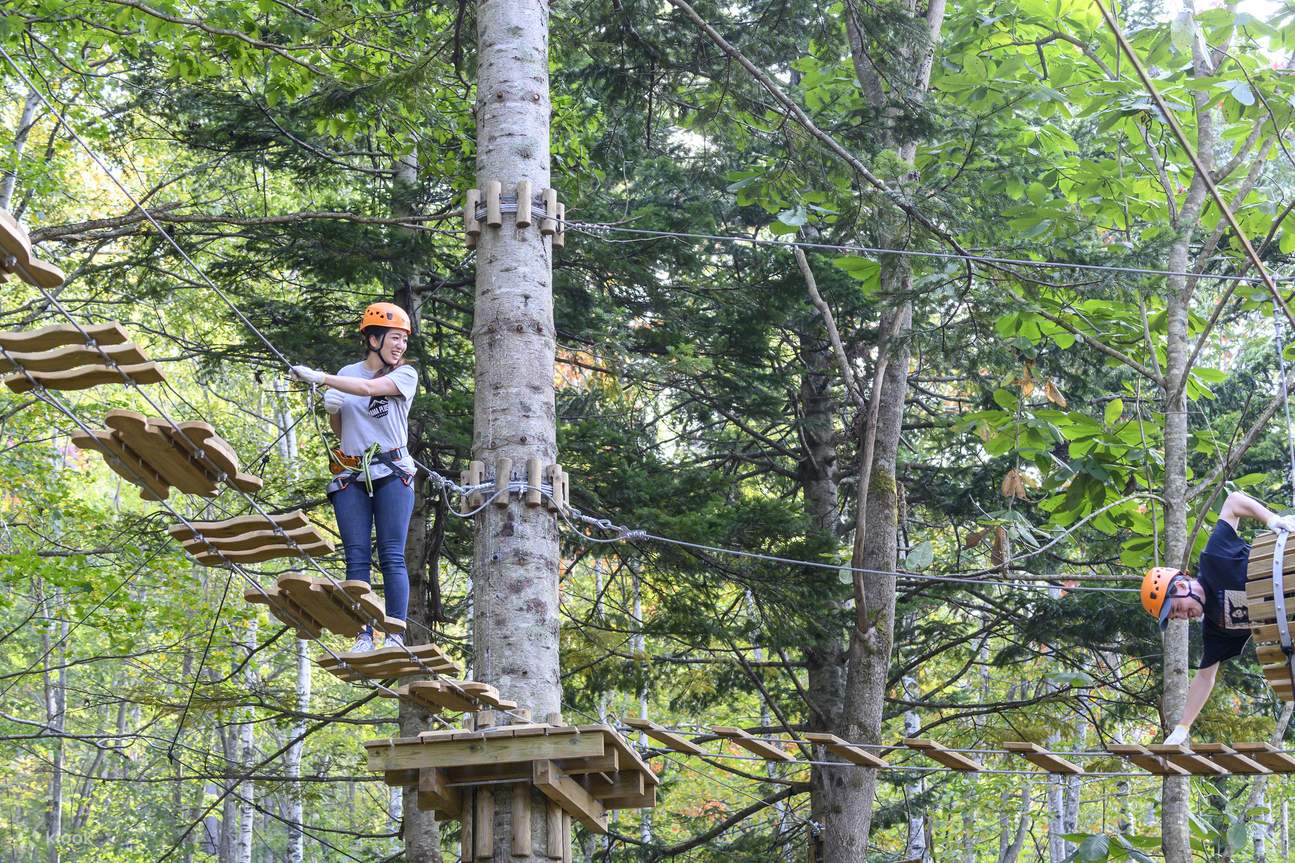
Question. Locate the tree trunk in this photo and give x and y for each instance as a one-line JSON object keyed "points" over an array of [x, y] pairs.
{"points": [[515, 548], [847, 828], [55, 679], [19, 144], [246, 758]]}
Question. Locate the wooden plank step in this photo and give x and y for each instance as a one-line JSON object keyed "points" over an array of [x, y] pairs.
{"points": [[1037, 755], [85, 377], [1147, 760], [843, 750], [14, 241], [219, 558], [236, 527], [71, 357], [437, 696], [629, 756], [937, 752], [125, 463], [41, 274], [667, 738], [287, 612], [389, 662], [767, 751], [148, 440], [1230, 759], [255, 539], [58, 335], [1184, 757], [1267, 755], [296, 597]]}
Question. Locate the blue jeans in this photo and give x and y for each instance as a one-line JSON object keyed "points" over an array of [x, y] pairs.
{"points": [[389, 510]]}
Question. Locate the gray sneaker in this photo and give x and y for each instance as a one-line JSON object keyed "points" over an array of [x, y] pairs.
{"points": [[394, 639], [363, 643]]}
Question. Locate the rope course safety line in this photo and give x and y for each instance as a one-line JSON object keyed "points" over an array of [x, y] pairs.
{"points": [[599, 230]]}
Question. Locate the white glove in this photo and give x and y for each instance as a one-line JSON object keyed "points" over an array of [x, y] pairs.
{"points": [[333, 401], [1178, 736], [307, 374], [1282, 522]]}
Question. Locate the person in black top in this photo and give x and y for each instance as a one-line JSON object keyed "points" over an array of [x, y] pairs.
{"points": [[1217, 594]]}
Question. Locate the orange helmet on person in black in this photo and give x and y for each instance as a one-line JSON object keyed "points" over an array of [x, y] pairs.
{"points": [[387, 315], [1157, 589]]}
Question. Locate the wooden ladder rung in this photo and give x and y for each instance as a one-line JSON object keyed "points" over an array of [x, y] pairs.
{"points": [[844, 750], [667, 738], [1037, 755], [937, 752], [767, 751]]}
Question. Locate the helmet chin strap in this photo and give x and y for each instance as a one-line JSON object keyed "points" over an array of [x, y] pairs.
{"points": [[382, 343]]}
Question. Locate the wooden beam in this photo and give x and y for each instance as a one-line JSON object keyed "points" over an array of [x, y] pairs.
{"points": [[1267, 755], [484, 835], [434, 795], [412, 753], [667, 738], [521, 820], [937, 752], [1198, 765], [567, 793], [1037, 755], [767, 751], [1147, 760], [1230, 758], [844, 750]]}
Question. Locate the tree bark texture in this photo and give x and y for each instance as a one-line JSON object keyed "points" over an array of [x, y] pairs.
{"points": [[515, 551], [848, 824]]}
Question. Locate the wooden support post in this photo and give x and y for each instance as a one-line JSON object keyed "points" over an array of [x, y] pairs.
{"points": [[767, 751], [524, 204], [553, 473], [476, 475], [566, 837], [553, 827], [484, 835], [549, 224], [521, 820], [465, 830], [471, 227], [494, 218], [560, 238], [566, 491], [1037, 755], [534, 476], [503, 474], [937, 752], [435, 796], [567, 793], [845, 751]]}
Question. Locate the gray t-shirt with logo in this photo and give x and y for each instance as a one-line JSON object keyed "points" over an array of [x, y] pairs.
{"points": [[383, 420]]}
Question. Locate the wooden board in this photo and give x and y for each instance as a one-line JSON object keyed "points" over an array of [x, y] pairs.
{"points": [[435, 795], [767, 751], [1037, 755], [124, 463], [72, 356], [42, 275], [843, 750], [467, 696], [219, 558], [1267, 755], [419, 752], [255, 539], [567, 793], [389, 662], [235, 527], [937, 752], [48, 338], [664, 737], [284, 610], [1148, 761], [151, 440], [14, 242], [1230, 759], [300, 596], [86, 377], [1184, 757]]}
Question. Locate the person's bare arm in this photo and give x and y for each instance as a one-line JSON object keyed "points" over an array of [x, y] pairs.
{"points": [[1240, 505], [335, 423]]}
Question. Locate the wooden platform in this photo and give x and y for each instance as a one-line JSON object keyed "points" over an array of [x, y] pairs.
{"points": [[389, 663], [61, 358], [156, 456], [314, 605], [586, 771], [256, 539], [1263, 613], [18, 258]]}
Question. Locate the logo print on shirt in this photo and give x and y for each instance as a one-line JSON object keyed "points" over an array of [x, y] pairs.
{"points": [[1236, 610], [378, 407]]}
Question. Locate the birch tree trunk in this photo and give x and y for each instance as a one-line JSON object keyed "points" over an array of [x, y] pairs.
{"points": [[515, 548], [246, 758], [19, 144], [55, 692]]}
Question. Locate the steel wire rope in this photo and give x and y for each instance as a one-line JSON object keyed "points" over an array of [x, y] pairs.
{"points": [[595, 229]]}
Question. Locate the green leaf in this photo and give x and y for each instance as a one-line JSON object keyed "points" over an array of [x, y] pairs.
{"points": [[1005, 399], [794, 218], [1114, 410], [1094, 849], [1237, 835], [919, 556], [1241, 91]]}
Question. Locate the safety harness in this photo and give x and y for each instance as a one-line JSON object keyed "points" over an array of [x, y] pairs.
{"points": [[347, 469]]}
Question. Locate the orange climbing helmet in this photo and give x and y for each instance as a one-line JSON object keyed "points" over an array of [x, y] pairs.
{"points": [[1157, 587], [387, 315]]}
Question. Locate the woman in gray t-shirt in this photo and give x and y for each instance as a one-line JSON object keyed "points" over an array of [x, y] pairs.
{"points": [[368, 406]]}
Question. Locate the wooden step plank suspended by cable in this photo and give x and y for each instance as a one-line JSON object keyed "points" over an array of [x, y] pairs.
{"points": [[388, 663], [19, 258], [1230, 759], [443, 696], [844, 750], [1147, 760], [947, 757], [1183, 756], [1040, 757], [189, 456], [255, 539], [1267, 755], [767, 751], [667, 738], [65, 358], [1270, 593]]}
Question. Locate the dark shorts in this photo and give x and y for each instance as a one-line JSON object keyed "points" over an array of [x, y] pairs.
{"points": [[1220, 648]]}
